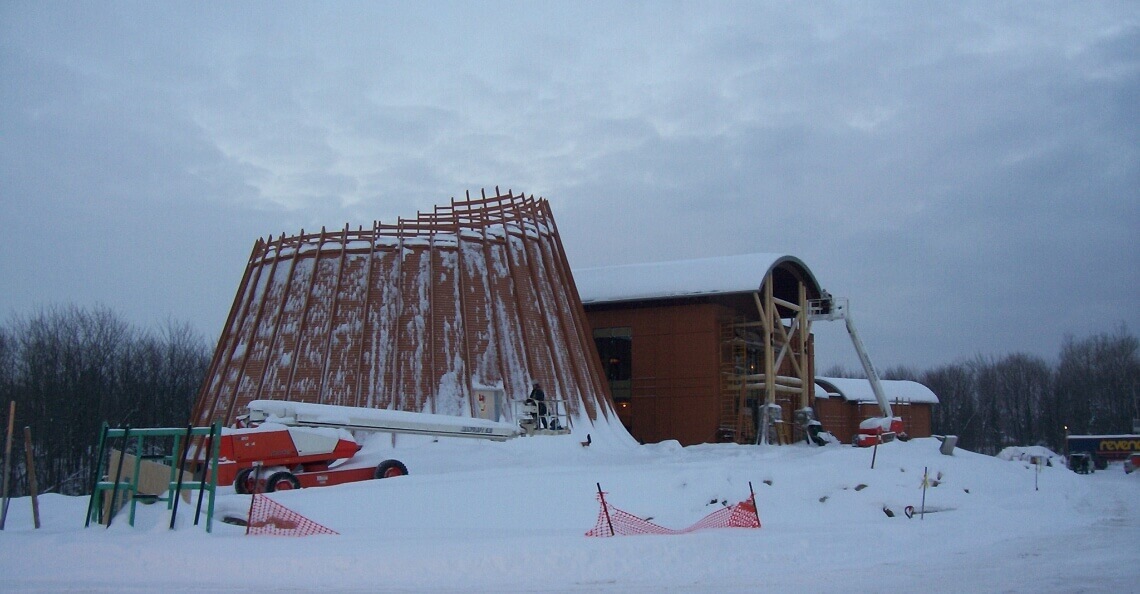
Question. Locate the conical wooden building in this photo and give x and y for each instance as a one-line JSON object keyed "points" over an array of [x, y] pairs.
{"points": [[442, 313]]}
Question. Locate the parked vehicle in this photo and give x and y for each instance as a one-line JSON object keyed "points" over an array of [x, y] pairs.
{"points": [[1102, 449]]}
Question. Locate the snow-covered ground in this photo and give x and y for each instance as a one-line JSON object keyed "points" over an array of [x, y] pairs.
{"points": [[511, 517]]}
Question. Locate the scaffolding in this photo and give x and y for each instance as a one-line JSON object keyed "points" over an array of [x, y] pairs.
{"points": [[131, 480], [736, 424]]}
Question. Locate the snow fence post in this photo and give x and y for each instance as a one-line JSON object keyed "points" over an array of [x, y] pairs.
{"points": [[755, 506], [605, 509]]}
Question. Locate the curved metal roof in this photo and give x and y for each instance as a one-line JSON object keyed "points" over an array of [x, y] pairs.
{"points": [[684, 278], [859, 390]]}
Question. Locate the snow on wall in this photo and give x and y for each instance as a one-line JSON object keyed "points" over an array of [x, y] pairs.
{"points": [[411, 317]]}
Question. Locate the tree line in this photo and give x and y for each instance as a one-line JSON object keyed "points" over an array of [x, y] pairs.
{"points": [[1019, 399], [70, 369]]}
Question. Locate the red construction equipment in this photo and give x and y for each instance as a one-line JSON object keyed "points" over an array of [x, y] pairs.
{"points": [[274, 457], [291, 445]]}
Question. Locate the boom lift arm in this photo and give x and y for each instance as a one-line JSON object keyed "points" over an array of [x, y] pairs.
{"points": [[874, 429]]}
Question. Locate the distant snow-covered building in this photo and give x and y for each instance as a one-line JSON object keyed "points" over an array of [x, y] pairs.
{"points": [[841, 403]]}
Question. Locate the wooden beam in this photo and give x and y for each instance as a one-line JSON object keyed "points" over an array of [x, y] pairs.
{"points": [[769, 358], [760, 377], [786, 344], [787, 304], [805, 334], [304, 310], [360, 337], [763, 313], [332, 319], [763, 385]]}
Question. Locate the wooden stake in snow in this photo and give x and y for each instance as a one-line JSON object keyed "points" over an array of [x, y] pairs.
{"points": [[7, 462], [33, 488], [925, 482]]}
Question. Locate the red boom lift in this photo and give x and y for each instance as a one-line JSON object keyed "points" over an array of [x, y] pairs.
{"points": [[290, 445]]}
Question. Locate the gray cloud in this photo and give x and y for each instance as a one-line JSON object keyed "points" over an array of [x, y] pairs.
{"points": [[968, 174]]}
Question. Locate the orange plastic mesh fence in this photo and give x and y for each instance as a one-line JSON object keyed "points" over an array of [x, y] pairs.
{"points": [[266, 516], [740, 515]]}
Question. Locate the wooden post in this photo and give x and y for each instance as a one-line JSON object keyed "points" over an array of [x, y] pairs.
{"points": [[7, 462], [33, 489], [769, 356], [925, 482], [806, 378]]}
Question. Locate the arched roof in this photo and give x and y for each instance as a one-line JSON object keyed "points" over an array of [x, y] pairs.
{"points": [[686, 278], [859, 390]]}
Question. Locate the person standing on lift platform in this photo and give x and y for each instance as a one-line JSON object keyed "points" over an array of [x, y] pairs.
{"points": [[538, 398]]}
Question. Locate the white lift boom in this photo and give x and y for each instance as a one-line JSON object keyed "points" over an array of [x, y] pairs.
{"points": [[301, 414], [874, 429]]}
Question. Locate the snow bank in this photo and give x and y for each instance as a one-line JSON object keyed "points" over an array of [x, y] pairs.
{"points": [[512, 516]]}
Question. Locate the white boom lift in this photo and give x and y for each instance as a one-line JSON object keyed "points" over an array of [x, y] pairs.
{"points": [[301, 414], [875, 429], [290, 445]]}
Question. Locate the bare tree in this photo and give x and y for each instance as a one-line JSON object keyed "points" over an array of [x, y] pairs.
{"points": [[1097, 382], [957, 401], [71, 369], [838, 370]]}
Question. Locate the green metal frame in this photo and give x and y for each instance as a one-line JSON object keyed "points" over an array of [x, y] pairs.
{"points": [[129, 486]]}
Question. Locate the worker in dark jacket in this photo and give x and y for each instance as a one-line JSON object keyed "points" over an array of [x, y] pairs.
{"points": [[538, 397]]}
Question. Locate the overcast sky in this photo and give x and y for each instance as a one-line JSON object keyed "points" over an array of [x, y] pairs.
{"points": [[967, 174]]}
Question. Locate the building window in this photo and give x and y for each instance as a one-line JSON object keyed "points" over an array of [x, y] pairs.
{"points": [[614, 348]]}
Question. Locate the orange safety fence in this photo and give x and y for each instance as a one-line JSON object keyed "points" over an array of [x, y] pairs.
{"points": [[614, 522], [266, 516]]}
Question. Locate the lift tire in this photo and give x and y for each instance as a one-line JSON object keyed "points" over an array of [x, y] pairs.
{"points": [[243, 482], [391, 468], [281, 481]]}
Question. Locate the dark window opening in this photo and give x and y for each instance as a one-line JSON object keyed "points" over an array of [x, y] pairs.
{"points": [[615, 348]]}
